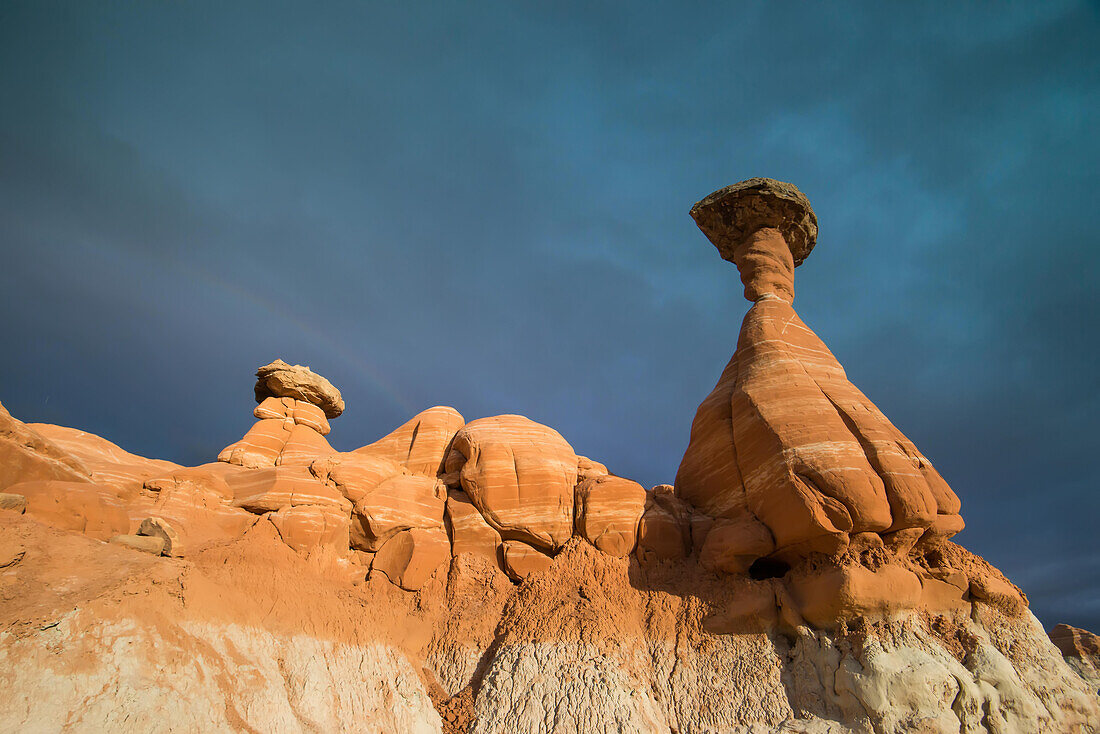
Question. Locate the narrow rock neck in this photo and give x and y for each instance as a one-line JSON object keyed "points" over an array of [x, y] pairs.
{"points": [[766, 266]]}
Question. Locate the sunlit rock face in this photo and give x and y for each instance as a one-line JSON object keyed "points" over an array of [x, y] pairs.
{"points": [[484, 577]]}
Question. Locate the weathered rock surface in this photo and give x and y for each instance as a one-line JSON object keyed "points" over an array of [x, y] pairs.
{"points": [[468, 530], [784, 437], [521, 560], [26, 455], [281, 380], [269, 490], [520, 475], [608, 510], [421, 444], [81, 507], [399, 503], [409, 558]]}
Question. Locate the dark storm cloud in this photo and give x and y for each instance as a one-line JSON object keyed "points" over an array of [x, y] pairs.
{"points": [[487, 208]]}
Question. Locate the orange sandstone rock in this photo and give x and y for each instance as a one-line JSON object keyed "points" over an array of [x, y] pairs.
{"points": [[269, 490], [732, 545], [607, 513], [834, 593], [306, 527], [354, 474], [26, 455], [520, 475], [420, 444], [399, 503], [468, 530], [664, 531], [82, 507], [521, 560], [409, 558]]}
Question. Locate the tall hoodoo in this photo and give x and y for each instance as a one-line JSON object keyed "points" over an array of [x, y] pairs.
{"points": [[784, 439]]}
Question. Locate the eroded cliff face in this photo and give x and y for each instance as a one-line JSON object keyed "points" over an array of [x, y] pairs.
{"points": [[482, 577], [249, 635]]}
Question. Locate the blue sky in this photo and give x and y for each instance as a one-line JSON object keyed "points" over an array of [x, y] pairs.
{"points": [[485, 205]]}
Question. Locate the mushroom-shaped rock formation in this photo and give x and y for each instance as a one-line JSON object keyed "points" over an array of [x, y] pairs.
{"points": [[520, 474], [282, 380], [294, 407], [784, 438]]}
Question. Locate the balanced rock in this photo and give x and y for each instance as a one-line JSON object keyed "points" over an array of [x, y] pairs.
{"points": [[281, 380], [784, 438], [520, 474], [607, 513], [421, 444]]}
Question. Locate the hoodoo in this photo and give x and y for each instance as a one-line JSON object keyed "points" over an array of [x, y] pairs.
{"points": [[482, 577]]}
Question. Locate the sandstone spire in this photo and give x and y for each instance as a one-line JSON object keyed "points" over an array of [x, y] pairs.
{"points": [[784, 439]]}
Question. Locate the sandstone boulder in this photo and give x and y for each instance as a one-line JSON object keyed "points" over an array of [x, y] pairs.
{"points": [[16, 503], [607, 511], [589, 469], [281, 380], [421, 444], [834, 593], [521, 560], [409, 558], [156, 527], [399, 503], [468, 530], [520, 475]]}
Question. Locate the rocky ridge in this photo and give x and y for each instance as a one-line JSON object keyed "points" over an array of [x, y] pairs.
{"points": [[482, 576]]}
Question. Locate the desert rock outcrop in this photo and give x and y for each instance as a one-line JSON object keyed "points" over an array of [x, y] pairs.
{"points": [[784, 439], [521, 476], [482, 577]]}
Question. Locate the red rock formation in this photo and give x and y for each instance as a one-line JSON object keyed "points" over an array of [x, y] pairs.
{"points": [[607, 513], [784, 438], [421, 444], [520, 475]]}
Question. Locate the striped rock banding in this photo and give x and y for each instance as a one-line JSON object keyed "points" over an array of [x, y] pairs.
{"points": [[520, 474]]}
